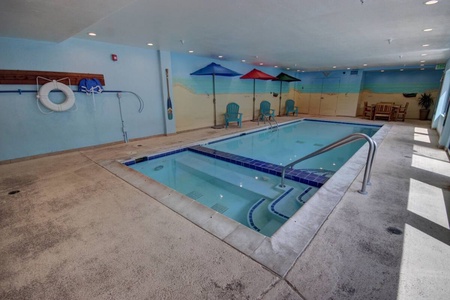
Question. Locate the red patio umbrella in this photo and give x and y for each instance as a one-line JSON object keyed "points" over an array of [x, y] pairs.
{"points": [[256, 74]]}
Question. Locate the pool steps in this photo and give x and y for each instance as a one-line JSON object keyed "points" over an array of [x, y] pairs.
{"points": [[268, 212], [260, 187], [265, 215]]}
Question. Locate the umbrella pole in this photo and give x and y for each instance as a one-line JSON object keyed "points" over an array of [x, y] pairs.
{"points": [[254, 82], [279, 107], [214, 100]]}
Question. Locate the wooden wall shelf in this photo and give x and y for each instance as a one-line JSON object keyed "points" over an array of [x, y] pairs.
{"points": [[29, 77]]}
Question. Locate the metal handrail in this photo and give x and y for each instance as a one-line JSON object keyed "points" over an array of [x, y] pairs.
{"points": [[346, 140], [267, 118]]}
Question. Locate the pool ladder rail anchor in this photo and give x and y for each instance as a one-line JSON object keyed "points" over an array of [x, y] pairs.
{"points": [[346, 140]]}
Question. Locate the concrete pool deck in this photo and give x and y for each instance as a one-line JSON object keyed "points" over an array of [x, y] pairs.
{"points": [[76, 230]]}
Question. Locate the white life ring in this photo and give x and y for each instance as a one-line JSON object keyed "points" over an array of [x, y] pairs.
{"points": [[54, 85]]}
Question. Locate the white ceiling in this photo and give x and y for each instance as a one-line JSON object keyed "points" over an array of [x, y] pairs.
{"points": [[300, 34]]}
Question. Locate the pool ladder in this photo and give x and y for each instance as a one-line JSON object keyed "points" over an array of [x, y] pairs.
{"points": [[348, 139], [271, 126]]}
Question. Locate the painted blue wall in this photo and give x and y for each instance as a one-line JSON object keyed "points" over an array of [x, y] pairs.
{"points": [[340, 81], [184, 64], [407, 81], [25, 131]]}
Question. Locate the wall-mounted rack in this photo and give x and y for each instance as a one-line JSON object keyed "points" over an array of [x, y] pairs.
{"points": [[29, 77]]}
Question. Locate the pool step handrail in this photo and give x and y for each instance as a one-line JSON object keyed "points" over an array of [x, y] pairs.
{"points": [[267, 118], [346, 140]]}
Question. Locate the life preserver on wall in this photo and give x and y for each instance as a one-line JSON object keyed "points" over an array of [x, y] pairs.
{"points": [[55, 85]]}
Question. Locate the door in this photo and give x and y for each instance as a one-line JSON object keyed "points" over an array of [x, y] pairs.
{"points": [[329, 96]]}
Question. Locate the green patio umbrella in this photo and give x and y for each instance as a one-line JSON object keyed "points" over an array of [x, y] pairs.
{"points": [[287, 78]]}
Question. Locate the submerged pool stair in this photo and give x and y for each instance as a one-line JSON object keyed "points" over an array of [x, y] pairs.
{"points": [[266, 215], [261, 187]]}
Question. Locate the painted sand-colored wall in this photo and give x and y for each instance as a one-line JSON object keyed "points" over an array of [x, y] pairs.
{"points": [[389, 86]]}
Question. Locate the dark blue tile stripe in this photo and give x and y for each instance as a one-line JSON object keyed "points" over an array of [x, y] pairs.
{"points": [[150, 157], [302, 176], [272, 206], [340, 122], [250, 214]]}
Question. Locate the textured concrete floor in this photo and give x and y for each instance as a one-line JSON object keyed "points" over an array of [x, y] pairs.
{"points": [[76, 231]]}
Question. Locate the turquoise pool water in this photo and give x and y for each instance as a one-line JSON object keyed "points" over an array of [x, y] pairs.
{"points": [[239, 176]]}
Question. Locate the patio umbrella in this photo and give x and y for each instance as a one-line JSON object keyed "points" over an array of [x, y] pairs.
{"points": [[284, 77], [257, 74], [215, 70]]}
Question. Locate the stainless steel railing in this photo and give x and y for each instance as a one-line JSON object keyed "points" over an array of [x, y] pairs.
{"points": [[346, 140]]}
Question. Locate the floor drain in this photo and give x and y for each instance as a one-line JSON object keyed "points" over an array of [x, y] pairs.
{"points": [[394, 230], [13, 192]]}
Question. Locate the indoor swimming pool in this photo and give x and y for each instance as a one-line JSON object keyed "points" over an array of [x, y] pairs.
{"points": [[239, 176]]}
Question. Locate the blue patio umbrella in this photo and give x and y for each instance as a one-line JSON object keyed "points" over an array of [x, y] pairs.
{"points": [[215, 70]]}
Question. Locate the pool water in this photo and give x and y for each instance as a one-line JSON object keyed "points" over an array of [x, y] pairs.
{"points": [[251, 197], [240, 176], [296, 140]]}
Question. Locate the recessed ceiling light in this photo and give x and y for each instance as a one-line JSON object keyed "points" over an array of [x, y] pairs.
{"points": [[243, 60], [348, 68], [191, 51], [382, 71], [431, 2], [92, 34], [421, 69], [261, 64], [275, 66], [401, 70], [428, 29], [365, 65], [298, 70], [423, 54], [422, 61], [425, 45], [422, 65], [334, 67], [288, 68], [220, 56], [303, 71], [149, 44]]}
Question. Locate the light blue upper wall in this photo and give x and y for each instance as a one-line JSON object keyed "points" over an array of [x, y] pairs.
{"points": [[184, 64], [407, 81], [26, 131], [338, 81]]}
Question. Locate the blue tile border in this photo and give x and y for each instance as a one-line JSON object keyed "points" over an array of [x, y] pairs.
{"points": [[346, 123], [150, 157], [272, 205], [250, 214], [299, 175]]}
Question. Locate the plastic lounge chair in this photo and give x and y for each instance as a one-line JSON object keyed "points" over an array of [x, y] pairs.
{"points": [[291, 108], [265, 111], [233, 115]]}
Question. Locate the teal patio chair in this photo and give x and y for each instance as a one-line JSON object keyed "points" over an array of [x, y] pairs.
{"points": [[266, 111], [233, 114], [291, 108]]}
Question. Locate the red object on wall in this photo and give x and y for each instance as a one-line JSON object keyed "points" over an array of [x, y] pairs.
{"points": [[114, 57]]}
